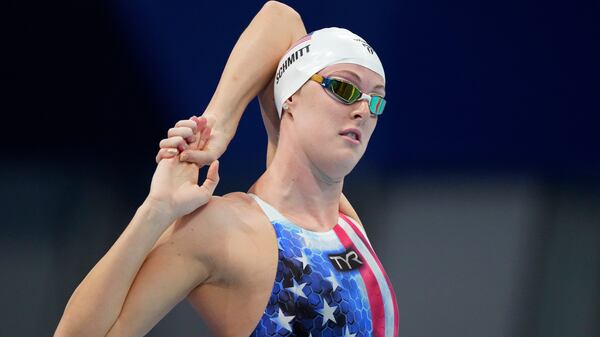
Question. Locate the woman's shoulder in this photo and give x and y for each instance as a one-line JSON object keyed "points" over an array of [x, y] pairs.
{"points": [[235, 204], [239, 199], [227, 213], [225, 229]]}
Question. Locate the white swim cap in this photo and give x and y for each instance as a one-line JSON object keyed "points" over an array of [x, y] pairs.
{"points": [[317, 50]]}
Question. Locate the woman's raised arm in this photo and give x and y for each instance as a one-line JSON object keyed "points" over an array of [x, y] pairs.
{"points": [[249, 72], [249, 69]]}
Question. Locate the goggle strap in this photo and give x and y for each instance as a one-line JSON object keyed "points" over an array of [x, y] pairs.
{"points": [[320, 79]]}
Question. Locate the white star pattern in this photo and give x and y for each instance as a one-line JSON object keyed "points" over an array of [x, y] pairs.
{"points": [[303, 259], [327, 312], [314, 252], [347, 334], [333, 280], [283, 321], [297, 289], [306, 239]]}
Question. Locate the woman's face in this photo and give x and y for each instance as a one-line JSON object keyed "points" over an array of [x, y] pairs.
{"points": [[334, 135]]}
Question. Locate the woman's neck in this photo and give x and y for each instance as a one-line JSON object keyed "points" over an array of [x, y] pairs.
{"points": [[299, 190]]}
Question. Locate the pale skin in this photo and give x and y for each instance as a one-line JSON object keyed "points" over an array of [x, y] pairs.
{"points": [[234, 92], [222, 254]]}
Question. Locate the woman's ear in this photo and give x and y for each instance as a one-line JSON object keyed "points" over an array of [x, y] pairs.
{"points": [[287, 106]]}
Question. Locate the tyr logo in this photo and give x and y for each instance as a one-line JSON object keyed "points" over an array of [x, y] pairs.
{"points": [[346, 261]]}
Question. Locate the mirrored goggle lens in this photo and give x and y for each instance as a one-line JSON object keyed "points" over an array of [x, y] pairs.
{"points": [[349, 94], [377, 105], [345, 91]]}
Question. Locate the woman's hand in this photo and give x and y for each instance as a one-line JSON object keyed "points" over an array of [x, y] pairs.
{"points": [[186, 138], [174, 187], [197, 144]]}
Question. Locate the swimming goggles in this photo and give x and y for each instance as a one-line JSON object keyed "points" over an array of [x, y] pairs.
{"points": [[347, 93]]}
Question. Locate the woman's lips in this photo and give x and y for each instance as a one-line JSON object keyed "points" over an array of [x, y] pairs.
{"points": [[352, 134]]}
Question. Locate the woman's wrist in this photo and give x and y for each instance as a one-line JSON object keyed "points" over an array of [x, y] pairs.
{"points": [[223, 123], [160, 212]]}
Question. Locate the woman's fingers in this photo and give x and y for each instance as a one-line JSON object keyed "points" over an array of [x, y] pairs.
{"points": [[182, 136], [198, 157], [166, 153], [188, 128], [176, 142], [212, 179], [184, 132], [189, 123], [198, 154], [204, 137], [201, 121]]}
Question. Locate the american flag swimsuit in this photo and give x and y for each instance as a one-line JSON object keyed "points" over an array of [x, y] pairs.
{"points": [[327, 284]]}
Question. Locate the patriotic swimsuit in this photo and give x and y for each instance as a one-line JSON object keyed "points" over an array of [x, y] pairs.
{"points": [[327, 284]]}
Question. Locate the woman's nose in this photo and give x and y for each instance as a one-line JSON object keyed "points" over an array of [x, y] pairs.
{"points": [[361, 110]]}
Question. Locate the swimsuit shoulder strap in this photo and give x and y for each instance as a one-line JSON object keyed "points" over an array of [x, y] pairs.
{"points": [[269, 210]]}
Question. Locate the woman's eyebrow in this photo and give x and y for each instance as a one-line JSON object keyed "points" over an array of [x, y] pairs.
{"points": [[356, 79], [352, 74]]}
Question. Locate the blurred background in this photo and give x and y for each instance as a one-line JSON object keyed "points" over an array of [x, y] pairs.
{"points": [[480, 189]]}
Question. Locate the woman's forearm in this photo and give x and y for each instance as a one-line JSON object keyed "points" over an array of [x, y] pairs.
{"points": [[97, 302], [252, 63]]}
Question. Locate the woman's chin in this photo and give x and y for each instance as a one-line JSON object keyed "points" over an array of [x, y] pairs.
{"points": [[338, 169]]}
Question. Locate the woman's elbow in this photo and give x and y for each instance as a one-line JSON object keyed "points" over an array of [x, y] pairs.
{"points": [[280, 9]]}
